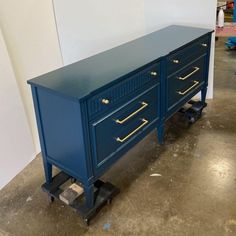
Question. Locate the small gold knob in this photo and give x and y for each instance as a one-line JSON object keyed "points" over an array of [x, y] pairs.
{"points": [[153, 73], [204, 44], [105, 101], [176, 61]]}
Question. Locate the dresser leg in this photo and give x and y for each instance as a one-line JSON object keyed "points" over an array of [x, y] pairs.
{"points": [[160, 133], [89, 195], [203, 94], [48, 172]]}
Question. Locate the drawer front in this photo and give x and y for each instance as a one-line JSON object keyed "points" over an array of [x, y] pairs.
{"points": [[115, 95], [186, 81], [114, 132], [184, 56]]}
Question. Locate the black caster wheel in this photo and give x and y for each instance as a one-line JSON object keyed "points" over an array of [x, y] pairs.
{"points": [[109, 201], [51, 199], [86, 221], [199, 113], [191, 119], [73, 180]]}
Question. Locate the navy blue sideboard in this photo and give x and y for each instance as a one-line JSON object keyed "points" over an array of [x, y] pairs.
{"points": [[91, 112]]}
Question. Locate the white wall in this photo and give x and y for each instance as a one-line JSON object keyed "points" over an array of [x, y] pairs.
{"points": [[31, 38], [16, 145], [30, 33], [88, 27], [200, 13]]}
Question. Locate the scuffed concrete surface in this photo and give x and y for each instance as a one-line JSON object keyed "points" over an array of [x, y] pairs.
{"points": [[195, 193]]}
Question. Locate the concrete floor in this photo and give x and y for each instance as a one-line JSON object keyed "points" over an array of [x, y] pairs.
{"points": [[195, 194]]}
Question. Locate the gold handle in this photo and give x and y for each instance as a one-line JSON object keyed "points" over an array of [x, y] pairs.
{"points": [[121, 140], [187, 76], [153, 73], [105, 101], [176, 61], [204, 44], [144, 104], [186, 91]]}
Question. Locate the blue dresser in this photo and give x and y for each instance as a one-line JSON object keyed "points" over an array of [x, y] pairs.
{"points": [[92, 112]]}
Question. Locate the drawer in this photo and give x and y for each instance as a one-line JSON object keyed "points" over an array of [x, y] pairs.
{"points": [[114, 132], [186, 81], [184, 56], [122, 91]]}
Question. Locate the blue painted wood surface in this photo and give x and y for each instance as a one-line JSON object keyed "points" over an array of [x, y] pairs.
{"points": [[79, 133], [84, 77], [105, 131]]}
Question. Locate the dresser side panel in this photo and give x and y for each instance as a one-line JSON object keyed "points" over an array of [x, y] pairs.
{"points": [[63, 136]]}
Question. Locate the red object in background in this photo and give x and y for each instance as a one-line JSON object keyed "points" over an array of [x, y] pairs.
{"points": [[230, 5], [227, 31]]}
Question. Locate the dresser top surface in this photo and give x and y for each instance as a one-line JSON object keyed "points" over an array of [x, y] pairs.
{"points": [[86, 76]]}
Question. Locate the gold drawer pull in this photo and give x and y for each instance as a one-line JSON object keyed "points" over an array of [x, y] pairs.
{"points": [[187, 76], [204, 45], [105, 101], [186, 91], [144, 104], [176, 61], [121, 140], [153, 73]]}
